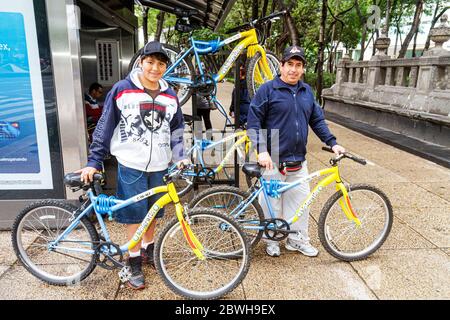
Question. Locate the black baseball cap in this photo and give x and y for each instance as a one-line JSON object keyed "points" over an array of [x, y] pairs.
{"points": [[154, 47], [293, 51]]}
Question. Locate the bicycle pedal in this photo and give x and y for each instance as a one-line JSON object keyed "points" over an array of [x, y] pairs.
{"points": [[125, 274]]}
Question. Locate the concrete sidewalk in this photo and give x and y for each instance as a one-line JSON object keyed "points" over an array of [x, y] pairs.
{"points": [[412, 264]]}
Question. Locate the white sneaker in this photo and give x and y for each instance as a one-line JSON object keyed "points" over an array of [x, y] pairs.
{"points": [[303, 246], [273, 249]]}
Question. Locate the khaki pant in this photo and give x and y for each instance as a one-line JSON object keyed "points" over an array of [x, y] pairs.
{"points": [[286, 206]]}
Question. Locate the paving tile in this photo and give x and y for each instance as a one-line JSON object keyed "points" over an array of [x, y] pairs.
{"points": [[439, 188], [410, 195], [291, 278], [407, 274], [18, 283], [432, 223], [3, 269], [7, 255], [403, 236]]}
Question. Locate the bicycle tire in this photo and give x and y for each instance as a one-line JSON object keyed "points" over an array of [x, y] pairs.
{"points": [[252, 70], [30, 257], [203, 273], [185, 91], [205, 199], [328, 237]]}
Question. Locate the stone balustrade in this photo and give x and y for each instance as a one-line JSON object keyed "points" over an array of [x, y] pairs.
{"points": [[410, 96]]}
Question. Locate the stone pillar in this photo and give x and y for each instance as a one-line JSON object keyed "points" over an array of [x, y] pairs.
{"points": [[342, 71], [350, 75], [374, 74], [428, 78], [388, 79], [439, 36], [399, 77], [413, 77]]}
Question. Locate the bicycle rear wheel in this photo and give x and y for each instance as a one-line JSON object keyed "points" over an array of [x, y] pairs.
{"points": [[345, 240], [255, 74], [37, 226], [213, 277], [183, 70], [226, 199]]}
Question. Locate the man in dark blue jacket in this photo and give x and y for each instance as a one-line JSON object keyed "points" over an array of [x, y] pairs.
{"points": [[278, 121]]}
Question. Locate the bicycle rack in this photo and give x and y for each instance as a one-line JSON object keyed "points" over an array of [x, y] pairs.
{"points": [[230, 181]]}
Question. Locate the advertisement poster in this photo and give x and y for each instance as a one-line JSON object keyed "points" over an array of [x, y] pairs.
{"points": [[24, 148]]}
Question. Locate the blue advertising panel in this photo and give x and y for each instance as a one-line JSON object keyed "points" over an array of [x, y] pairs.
{"points": [[25, 161]]}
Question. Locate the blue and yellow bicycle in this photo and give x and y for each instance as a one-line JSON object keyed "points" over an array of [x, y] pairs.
{"points": [[200, 254], [262, 65], [354, 222]]}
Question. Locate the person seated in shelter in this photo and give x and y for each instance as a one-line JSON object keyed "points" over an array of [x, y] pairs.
{"points": [[92, 108]]}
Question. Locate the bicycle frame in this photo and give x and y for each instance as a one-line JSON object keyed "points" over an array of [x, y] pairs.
{"points": [[333, 175], [169, 196], [198, 148], [249, 40]]}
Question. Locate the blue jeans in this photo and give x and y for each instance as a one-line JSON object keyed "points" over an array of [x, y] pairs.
{"points": [[131, 182]]}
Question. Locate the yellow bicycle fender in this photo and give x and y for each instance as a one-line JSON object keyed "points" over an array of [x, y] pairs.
{"points": [[346, 206], [191, 239]]}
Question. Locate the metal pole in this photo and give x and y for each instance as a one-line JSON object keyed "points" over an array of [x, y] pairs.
{"points": [[237, 104]]}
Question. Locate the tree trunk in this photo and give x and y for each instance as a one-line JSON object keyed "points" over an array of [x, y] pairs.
{"points": [[414, 27], [255, 9], [159, 26], [145, 23], [362, 21], [323, 21], [290, 24], [264, 8], [415, 43]]}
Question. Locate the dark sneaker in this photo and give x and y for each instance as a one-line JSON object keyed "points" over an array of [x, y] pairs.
{"points": [[147, 255], [137, 280]]}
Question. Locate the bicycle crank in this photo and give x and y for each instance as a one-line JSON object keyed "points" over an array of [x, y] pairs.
{"points": [[105, 253], [277, 229]]}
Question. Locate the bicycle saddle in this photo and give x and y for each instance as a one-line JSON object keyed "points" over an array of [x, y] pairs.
{"points": [[73, 180], [252, 170]]}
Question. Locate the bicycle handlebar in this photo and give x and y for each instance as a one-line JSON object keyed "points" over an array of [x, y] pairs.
{"points": [[347, 155], [256, 21]]}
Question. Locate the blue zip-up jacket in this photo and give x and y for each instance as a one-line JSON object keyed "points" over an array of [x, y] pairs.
{"points": [[286, 111]]}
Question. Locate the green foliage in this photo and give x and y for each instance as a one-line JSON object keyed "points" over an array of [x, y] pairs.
{"points": [[328, 79]]}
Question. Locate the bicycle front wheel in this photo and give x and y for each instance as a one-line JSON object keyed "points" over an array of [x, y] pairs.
{"points": [[34, 232], [219, 273], [255, 71], [343, 238]]}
